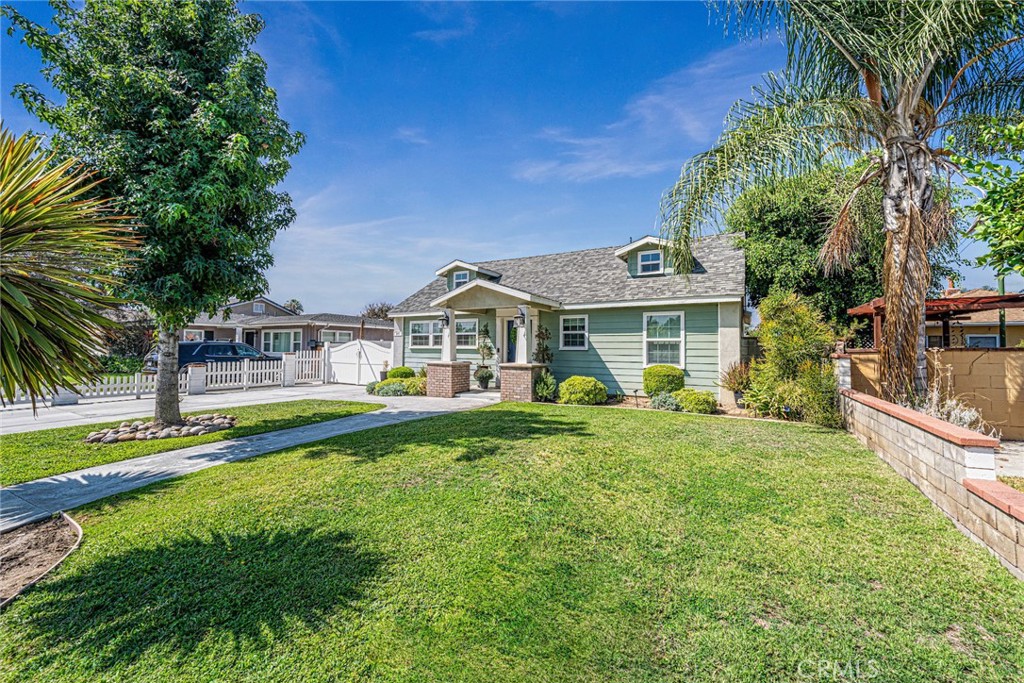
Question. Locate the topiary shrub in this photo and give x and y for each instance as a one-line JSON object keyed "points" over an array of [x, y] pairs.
{"points": [[663, 379], [415, 386], [401, 372], [664, 401], [582, 391], [370, 387], [692, 401], [545, 387], [390, 387]]}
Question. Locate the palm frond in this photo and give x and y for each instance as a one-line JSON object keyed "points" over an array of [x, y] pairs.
{"points": [[59, 245]]}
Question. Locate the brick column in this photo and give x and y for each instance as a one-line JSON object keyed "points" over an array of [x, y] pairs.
{"points": [[446, 379], [517, 381]]}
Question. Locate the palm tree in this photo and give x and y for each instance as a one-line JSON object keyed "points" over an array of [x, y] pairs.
{"points": [[887, 79], [293, 305], [58, 248]]}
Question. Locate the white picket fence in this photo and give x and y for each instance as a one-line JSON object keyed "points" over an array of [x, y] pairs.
{"points": [[244, 374]]}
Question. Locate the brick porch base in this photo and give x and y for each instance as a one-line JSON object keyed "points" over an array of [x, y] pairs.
{"points": [[445, 380], [517, 381]]}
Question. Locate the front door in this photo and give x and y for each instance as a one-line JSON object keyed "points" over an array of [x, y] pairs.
{"points": [[250, 338]]}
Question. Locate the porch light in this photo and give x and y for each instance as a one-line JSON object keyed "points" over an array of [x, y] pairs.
{"points": [[443, 319], [520, 317]]}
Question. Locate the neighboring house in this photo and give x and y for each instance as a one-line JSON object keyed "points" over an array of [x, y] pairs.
{"points": [[979, 328], [271, 327], [610, 312]]}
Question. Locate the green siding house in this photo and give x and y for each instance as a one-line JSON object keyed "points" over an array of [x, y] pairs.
{"points": [[610, 312]]}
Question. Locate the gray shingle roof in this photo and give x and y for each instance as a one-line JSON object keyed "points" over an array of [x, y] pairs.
{"points": [[594, 276]]}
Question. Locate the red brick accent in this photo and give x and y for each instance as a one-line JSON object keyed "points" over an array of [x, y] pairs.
{"points": [[999, 495], [932, 425], [517, 381], [445, 380]]}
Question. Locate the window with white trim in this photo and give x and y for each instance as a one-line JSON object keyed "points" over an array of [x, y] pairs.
{"points": [[459, 278], [465, 333], [663, 338], [282, 341], [574, 333], [425, 334], [192, 335], [335, 336], [259, 309], [649, 262], [983, 341]]}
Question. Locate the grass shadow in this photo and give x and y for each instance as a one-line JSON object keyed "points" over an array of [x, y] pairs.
{"points": [[245, 588]]}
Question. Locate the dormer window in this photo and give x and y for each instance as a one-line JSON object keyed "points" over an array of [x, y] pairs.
{"points": [[459, 278], [649, 262]]}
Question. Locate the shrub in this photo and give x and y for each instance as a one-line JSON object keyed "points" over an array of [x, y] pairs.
{"points": [[811, 396], [370, 387], [545, 387], [401, 372], [582, 391], [415, 386], [736, 377], [662, 379], [422, 372], [665, 401], [792, 332], [392, 386], [483, 374], [693, 401], [116, 364]]}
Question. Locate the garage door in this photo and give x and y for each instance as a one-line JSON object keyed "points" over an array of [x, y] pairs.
{"points": [[357, 362]]}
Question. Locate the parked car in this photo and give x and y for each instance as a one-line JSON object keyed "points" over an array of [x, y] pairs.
{"points": [[210, 352]]}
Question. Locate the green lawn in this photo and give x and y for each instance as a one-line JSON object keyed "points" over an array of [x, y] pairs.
{"points": [[31, 455], [527, 543]]}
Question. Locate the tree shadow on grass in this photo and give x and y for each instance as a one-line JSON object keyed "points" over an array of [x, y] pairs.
{"points": [[240, 588], [470, 435]]}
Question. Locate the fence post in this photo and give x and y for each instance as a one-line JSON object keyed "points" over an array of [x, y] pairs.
{"points": [[843, 370], [138, 385], [245, 374], [64, 397], [288, 370], [196, 378], [327, 364]]}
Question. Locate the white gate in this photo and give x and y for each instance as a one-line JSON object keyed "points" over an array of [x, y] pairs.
{"points": [[357, 362]]}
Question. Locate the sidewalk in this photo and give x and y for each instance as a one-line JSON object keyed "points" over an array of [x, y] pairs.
{"points": [[35, 500], [90, 411]]}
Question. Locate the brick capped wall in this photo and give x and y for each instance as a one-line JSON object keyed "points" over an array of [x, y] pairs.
{"points": [[954, 467], [445, 380], [517, 381]]}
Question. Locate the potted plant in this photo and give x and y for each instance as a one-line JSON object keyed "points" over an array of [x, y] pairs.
{"points": [[542, 352], [485, 348], [736, 378], [483, 376]]}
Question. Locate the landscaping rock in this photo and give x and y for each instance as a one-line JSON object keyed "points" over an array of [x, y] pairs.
{"points": [[197, 425]]}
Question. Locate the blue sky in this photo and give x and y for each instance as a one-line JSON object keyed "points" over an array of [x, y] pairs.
{"points": [[476, 131]]}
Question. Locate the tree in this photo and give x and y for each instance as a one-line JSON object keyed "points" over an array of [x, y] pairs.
{"points": [[877, 78], [169, 101], [784, 226], [59, 246], [293, 305], [1000, 211], [378, 311]]}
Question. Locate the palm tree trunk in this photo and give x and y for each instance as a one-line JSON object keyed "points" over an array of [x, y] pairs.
{"points": [[907, 274], [167, 409]]}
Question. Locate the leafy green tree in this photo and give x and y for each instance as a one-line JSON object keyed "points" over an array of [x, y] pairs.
{"points": [[294, 305], [59, 244], [1000, 211], [168, 100], [886, 79], [785, 225]]}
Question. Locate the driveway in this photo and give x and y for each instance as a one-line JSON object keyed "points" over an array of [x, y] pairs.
{"points": [[35, 500]]}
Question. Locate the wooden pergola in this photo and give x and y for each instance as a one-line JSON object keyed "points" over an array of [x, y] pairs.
{"points": [[942, 310]]}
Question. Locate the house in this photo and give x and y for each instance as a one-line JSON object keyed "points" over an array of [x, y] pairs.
{"points": [[270, 327], [610, 312], [978, 328]]}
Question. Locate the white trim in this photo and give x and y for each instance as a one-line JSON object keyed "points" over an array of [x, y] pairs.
{"points": [[656, 302], [263, 340], [661, 263], [350, 333], [262, 310], [455, 278], [642, 242], [201, 334], [443, 270], [476, 334], [682, 337], [969, 337], [501, 289], [430, 333], [586, 333]]}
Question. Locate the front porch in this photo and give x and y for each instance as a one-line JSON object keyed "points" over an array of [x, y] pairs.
{"points": [[516, 316]]}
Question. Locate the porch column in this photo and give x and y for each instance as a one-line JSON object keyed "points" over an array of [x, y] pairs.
{"points": [[238, 335], [448, 337], [523, 336]]}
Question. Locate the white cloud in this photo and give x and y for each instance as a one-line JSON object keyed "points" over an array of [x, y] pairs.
{"points": [[412, 135], [673, 114], [442, 12]]}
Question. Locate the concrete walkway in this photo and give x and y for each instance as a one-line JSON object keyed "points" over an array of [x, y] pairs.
{"points": [[35, 500]]}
